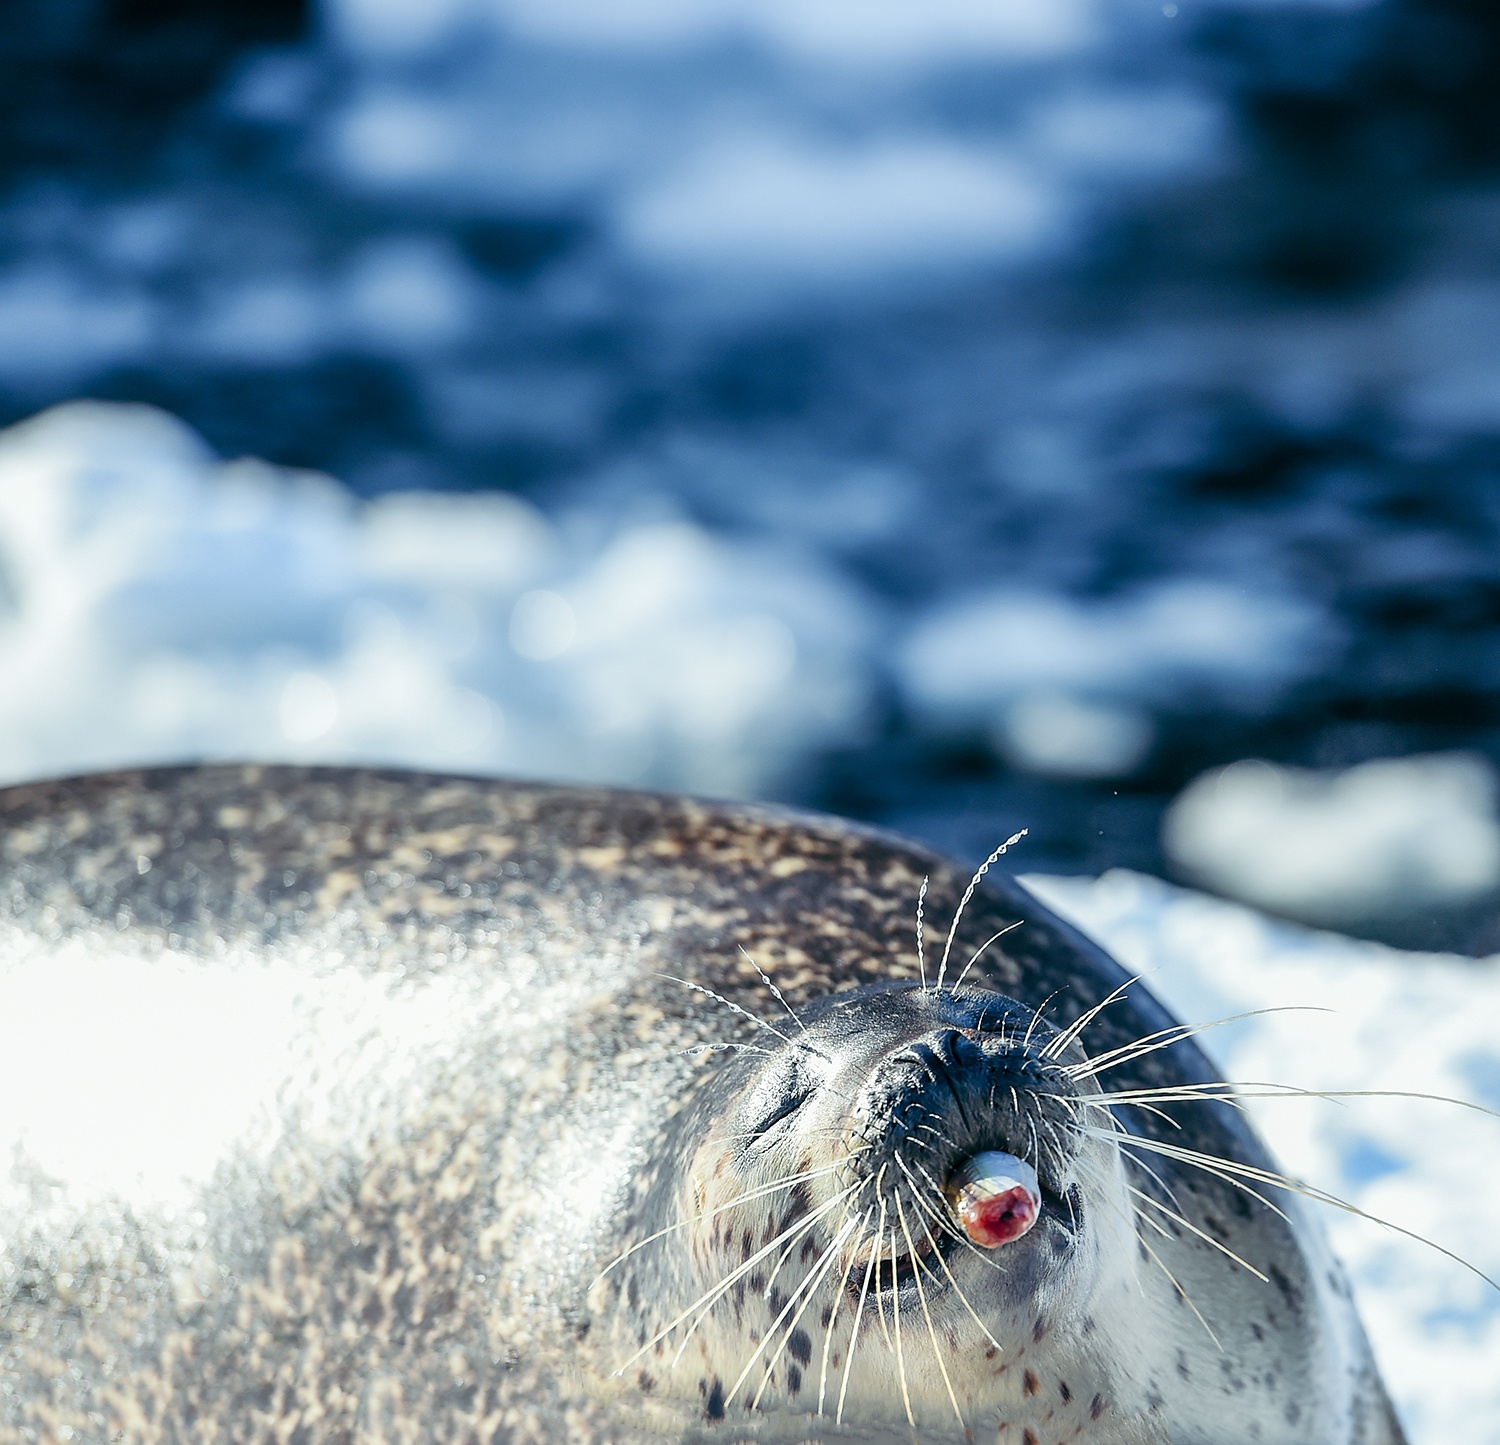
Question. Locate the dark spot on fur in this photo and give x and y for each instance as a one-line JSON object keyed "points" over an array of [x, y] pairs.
{"points": [[794, 1379], [1028, 1383], [809, 1248], [633, 1291], [646, 1383], [800, 1346], [747, 1245], [1088, 1326], [714, 1409], [1027, 1438], [1293, 1412], [1256, 1330], [1038, 1330], [990, 1352], [1064, 1391], [1182, 1364], [827, 1316], [1289, 1291], [1096, 1407]]}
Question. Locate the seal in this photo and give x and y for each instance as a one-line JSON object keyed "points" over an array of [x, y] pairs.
{"points": [[601, 1116]]}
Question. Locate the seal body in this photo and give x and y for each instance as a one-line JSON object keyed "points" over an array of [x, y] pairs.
{"points": [[601, 1116]]}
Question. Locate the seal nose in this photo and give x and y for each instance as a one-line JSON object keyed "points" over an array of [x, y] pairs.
{"points": [[948, 1049]]}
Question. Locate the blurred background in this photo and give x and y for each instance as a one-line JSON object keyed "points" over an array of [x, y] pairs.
{"points": [[966, 415]]}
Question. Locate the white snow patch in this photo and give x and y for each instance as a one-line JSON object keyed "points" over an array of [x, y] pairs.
{"points": [[971, 657], [791, 206], [1390, 836], [1418, 1023], [164, 607], [884, 33], [1052, 733]]}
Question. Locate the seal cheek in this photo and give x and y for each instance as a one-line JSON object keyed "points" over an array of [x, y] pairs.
{"points": [[996, 1197]]}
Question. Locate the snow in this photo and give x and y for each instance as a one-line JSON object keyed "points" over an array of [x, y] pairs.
{"points": [[161, 606], [1360, 1017], [1393, 835]]}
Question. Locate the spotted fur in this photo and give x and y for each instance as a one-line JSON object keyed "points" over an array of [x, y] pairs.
{"points": [[434, 1257]]}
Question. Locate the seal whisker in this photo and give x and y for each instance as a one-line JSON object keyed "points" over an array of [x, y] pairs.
{"points": [[859, 1314], [1136, 1162], [1036, 1018], [927, 1313], [1209, 1164], [975, 956], [879, 1287], [838, 1300], [921, 951], [711, 1297], [942, 1219], [729, 1004], [1232, 1093], [808, 1286], [1054, 1047], [775, 992], [1207, 1238], [958, 1289], [1187, 1299], [1115, 1216], [896, 1331], [734, 1203], [723, 1048], [1164, 1038], [963, 902]]}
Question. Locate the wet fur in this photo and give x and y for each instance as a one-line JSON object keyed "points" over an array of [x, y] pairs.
{"points": [[436, 1264]]}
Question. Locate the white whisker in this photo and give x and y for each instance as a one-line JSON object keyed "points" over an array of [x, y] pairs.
{"points": [[963, 902]]}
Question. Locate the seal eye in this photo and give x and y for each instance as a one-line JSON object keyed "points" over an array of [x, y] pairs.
{"points": [[780, 1095]]}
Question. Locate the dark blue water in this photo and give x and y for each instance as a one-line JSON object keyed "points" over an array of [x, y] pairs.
{"points": [[1166, 335]]}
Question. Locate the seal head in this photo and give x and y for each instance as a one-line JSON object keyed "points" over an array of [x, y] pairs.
{"points": [[894, 1214]]}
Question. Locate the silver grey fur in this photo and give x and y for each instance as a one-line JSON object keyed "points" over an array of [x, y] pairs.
{"points": [[414, 1250]]}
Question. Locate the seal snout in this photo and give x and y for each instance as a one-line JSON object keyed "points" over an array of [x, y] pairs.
{"points": [[959, 1095]]}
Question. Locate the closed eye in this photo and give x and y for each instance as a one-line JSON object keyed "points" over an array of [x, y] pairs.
{"points": [[784, 1110]]}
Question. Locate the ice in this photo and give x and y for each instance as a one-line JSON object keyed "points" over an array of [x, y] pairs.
{"points": [[55, 326], [1392, 836], [971, 657], [1364, 1017], [794, 207], [164, 606], [879, 32], [1050, 732]]}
